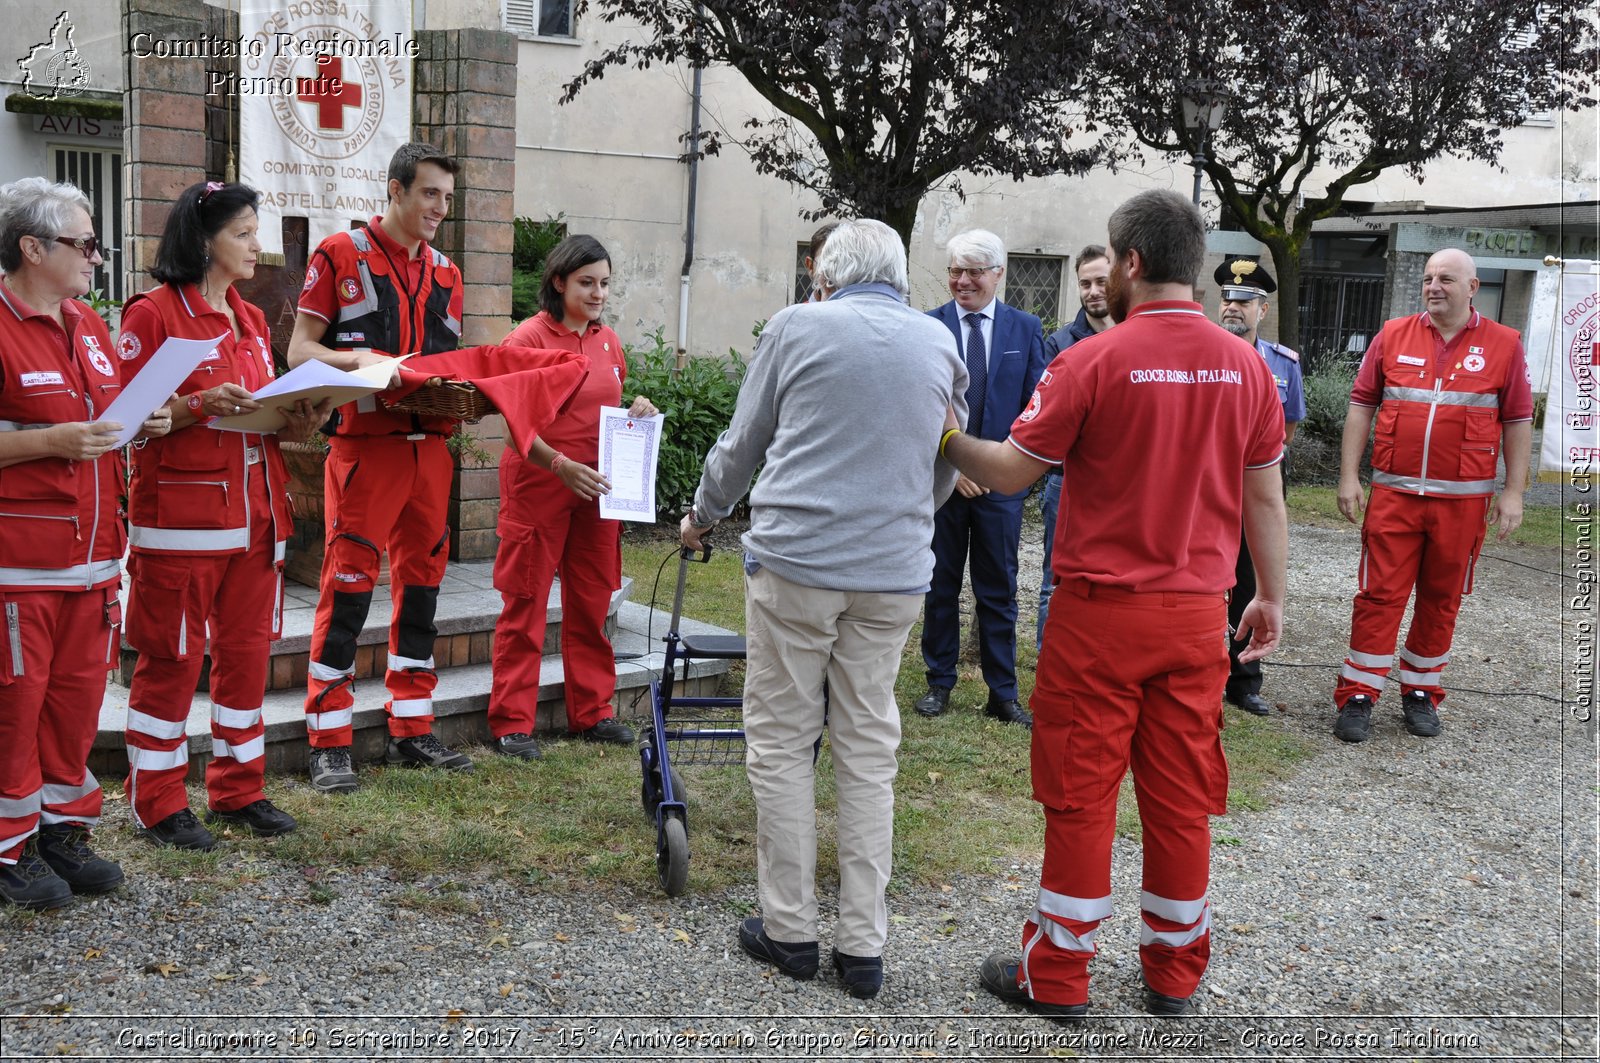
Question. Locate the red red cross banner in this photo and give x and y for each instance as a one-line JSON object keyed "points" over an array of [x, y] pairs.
{"points": [[324, 95]]}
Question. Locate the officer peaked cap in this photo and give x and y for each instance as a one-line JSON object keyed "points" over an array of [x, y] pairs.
{"points": [[1244, 278]]}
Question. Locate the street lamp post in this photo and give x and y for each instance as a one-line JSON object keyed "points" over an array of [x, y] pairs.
{"points": [[1202, 115]]}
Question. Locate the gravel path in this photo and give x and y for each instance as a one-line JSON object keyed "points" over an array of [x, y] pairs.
{"points": [[1402, 899]]}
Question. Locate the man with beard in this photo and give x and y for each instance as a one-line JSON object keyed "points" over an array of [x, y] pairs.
{"points": [[1245, 285], [1094, 316], [1132, 672]]}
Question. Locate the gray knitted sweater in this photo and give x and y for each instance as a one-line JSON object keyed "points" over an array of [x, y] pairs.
{"points": [[844, 401]]}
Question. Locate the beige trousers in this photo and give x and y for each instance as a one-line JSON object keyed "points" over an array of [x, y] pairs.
{"points": [[797, 637]]}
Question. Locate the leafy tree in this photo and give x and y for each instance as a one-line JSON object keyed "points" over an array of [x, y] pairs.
{"points": [[880, 101], [1322, 96]]}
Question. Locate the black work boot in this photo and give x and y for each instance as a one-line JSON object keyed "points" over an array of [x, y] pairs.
{"points": [[65, 847]]}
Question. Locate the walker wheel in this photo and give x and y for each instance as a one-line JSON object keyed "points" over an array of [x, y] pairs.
{"points": [[672, 856], [650, 793]]}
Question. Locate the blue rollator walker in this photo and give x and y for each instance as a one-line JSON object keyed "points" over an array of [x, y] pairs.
{"points": [[693, 730]]}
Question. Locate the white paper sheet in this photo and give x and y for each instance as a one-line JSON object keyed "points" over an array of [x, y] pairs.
{"points": [[314, 381], [629, 448], [153, 385]]}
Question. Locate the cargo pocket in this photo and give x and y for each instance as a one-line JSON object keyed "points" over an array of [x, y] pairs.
{"points": [[1216, 772], [1480, 445], [160, 620], [1068, 760], [517, 561]]}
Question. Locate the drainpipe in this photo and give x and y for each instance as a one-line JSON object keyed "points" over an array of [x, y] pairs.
{"points": [[688, 233]]}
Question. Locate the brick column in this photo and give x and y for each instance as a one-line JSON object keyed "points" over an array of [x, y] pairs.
{"points": [[164, 136], [466, 105]]}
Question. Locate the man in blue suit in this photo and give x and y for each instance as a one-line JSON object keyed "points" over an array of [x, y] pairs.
{"points": [[1004, 351]]}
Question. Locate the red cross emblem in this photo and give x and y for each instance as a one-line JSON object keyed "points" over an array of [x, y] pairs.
{"points": [[330, 102], [630, 424]]}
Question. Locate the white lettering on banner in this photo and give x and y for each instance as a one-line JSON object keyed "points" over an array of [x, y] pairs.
{"points": [[1185, 376], [324, 90], [1571, 444]]}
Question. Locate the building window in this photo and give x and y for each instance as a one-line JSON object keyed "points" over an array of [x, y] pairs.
{"points": [[99, 175], [1033, 283], [802, 277], [539, 18]]}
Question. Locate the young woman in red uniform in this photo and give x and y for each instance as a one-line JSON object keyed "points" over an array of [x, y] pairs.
{"points": [[61, 543], [208, 520], [550, 519]]}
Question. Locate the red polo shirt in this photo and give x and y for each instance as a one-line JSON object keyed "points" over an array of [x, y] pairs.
{"points": [[576, 433], [1154, 423]]}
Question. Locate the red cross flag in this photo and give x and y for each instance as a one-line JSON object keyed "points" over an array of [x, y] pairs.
{"points": [[324, 95]]}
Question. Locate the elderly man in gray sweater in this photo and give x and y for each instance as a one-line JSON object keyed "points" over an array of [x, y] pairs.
{"points": [[845, 402]]}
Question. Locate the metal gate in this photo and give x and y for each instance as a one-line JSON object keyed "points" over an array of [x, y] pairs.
{"points": [[1339, 313]]}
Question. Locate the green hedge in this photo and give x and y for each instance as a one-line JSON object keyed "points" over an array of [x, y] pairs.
{"points": [[698, 401], [1316, 442]]}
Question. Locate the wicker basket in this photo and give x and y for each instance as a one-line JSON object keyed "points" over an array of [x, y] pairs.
{"points": [[453, 398]]}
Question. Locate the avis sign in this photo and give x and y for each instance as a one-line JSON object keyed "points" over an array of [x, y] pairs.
{"points": [[317, 143]]}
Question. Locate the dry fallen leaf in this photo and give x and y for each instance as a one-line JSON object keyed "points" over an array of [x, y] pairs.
{"points": [[936, 777], [165, 970], [65, 1049], [506, 989], [683, 936], [223, 977], [261, 979], [454, 1015], [562, 937], [502, 940], [92, 954]]}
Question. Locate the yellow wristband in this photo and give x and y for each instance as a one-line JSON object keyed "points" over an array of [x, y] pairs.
{"points": [[944, 440]]}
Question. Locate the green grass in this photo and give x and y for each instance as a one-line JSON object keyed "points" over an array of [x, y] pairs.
{"points": [[1541, 525]]}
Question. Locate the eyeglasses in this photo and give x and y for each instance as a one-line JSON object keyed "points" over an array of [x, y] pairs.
{"points": [[970, 272], [89, 245]]}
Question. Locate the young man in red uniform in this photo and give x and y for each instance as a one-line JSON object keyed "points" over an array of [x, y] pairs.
{"points": [[1145, 565], [371, 293], [1449, 391]]}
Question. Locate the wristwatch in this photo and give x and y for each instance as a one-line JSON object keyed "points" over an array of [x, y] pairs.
{"points": [[196, 404]]}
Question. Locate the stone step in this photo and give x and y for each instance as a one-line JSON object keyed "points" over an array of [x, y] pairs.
{"points": [[461, 702], [466, 614]]}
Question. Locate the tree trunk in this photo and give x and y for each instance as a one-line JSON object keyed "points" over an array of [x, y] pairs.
{"points": [[902, 218], [1286, 267]]}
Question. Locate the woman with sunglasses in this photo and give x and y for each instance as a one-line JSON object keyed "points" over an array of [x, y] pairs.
{"points": [[61, 543], [208, 519], [550, 520]]}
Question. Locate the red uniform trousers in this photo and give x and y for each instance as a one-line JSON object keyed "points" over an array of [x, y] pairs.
{"points": [[57, 650], [1427, 542], [174, 603], [1126, 678], [571, 539], [382, 492]]}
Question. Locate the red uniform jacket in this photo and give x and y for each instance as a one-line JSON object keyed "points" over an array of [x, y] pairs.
{"points": [[1440, 419], [373, 296], [190, 493], [60, 522]]}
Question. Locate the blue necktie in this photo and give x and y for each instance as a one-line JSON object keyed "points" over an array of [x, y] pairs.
{"points": [[977, 374]]}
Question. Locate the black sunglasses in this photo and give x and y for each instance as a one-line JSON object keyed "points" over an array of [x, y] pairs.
{"points": [[89, 245]]}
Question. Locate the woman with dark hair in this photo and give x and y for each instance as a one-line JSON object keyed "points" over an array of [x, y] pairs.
{"points": [[208, 520], [61, 543], [550, 519]]}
